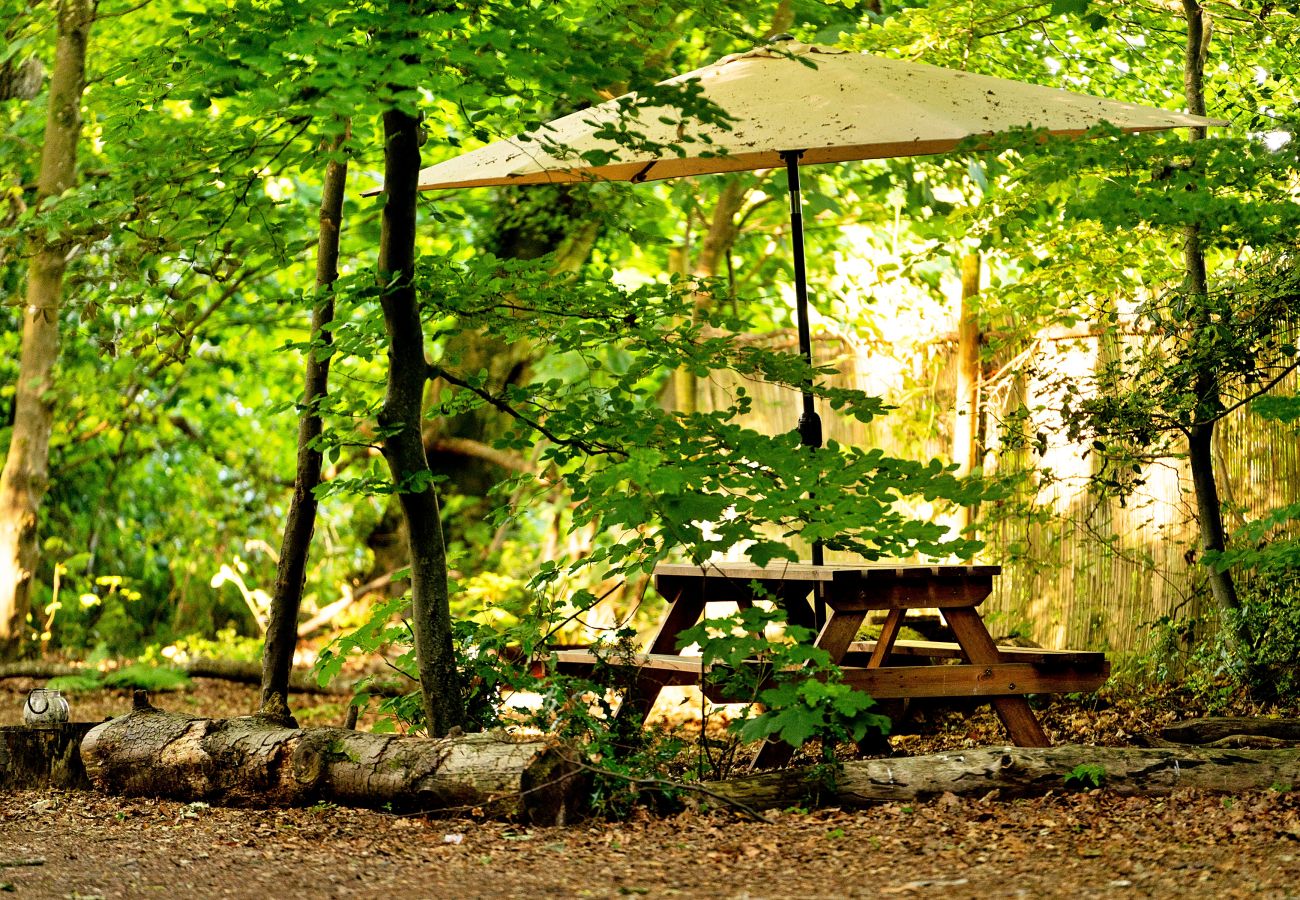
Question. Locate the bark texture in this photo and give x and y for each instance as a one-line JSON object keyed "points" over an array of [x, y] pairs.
{"points": [[1209, 402], [400, 418], [254, 762], [291, 572], [26, 470], [43, 757], [1019, 772]]}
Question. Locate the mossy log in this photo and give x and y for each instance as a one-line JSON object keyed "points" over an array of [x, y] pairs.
{"points": [[42, 756], [250, 761], [1019, 772], [1215, 729]]}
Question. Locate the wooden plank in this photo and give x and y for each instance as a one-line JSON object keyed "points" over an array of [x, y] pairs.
{"points": [[999, 680], [838, 633], [940, 591], [1021, 723], [860, 651], [573, 660]]}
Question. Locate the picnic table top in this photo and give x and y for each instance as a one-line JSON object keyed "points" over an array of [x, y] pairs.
{"points": [[842, 573]]}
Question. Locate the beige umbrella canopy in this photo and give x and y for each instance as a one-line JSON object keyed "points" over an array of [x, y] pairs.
{"points": [[850, 106]]}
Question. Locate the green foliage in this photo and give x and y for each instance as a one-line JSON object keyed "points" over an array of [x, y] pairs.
{"points": [[226, 644], [802, 692], [74, 684], [1197, 655], [135, 676], [1085, 776], [699, 483], [146, 677]]}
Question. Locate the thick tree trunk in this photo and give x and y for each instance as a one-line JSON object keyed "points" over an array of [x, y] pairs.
{"points": [[253, 762], [1018, 772], [50, 756], [291, 572], [26, 470], [400, 418]]}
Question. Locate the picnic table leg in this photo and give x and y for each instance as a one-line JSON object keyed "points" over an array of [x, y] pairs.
{"points": [[888, 634], [685, 598], [978, 646], [835, 637]]}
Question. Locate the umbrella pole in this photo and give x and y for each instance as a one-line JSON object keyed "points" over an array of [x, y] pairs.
{"points": [[810, 424]]}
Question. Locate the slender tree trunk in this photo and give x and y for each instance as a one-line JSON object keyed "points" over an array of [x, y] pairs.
{"points": [[1209, 404], [26, 470], [965, 429], [400, 419], [291, 572], [717, 243]]}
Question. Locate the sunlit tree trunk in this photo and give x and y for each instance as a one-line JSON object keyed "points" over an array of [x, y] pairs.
{"points": [[965, 428], [26, 470], [715, 247], [282, 628]]}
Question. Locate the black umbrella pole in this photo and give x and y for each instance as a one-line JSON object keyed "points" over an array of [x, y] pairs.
{"points": [[810, 424]]}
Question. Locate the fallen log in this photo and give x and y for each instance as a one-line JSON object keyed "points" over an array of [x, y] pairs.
{"points": [[43, 756], [1019, 772], [300, 682], [1213, 729], [249, 761]]}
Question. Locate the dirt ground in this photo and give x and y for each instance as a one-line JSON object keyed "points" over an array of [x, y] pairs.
{"points": [[1090, 845], [1095, 844]]}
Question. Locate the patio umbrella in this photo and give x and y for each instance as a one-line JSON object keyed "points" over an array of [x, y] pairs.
{"points": [[793, 104]]}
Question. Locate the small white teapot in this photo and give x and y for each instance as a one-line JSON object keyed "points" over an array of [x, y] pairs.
{"points": [[45, 707]]}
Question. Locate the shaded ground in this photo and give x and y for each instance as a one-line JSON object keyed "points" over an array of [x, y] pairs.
{"points": [[1071, 845], [1090, 845]]}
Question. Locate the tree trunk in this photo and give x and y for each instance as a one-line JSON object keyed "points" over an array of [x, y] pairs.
{"points": [[965, 430], [715, 247], [400, 418], [253, 762], [1209, 404], [36, 757], [26, 470], [1018, 772], [291, 571]]}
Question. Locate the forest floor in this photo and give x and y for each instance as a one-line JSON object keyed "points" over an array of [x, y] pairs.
{"points": [[1071, 844]]}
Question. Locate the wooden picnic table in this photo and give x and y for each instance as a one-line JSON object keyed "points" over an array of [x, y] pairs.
{"points": [[885, 668]]}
